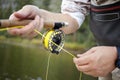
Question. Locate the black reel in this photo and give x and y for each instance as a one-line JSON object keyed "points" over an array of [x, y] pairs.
{"points": [[53, 40]]}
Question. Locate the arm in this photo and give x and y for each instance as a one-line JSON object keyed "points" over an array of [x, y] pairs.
{"points": [[39, 16], [74, 17], [58, 17]]}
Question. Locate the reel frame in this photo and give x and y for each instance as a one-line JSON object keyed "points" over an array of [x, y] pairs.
{"points": [[53, 40]]}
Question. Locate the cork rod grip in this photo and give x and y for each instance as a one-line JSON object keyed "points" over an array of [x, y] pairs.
{"points": [[11, 23]]}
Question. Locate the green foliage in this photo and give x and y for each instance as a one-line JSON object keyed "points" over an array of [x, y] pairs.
{"points": [[8, 7], [21, 3], [51, 5], [46, 4]]}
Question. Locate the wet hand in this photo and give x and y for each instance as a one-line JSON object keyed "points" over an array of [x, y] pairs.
{"points": [[98, 61], [28, 12]]}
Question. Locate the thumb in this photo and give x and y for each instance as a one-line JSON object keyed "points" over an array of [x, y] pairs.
{"points": [[23, 13], [20, 15]]}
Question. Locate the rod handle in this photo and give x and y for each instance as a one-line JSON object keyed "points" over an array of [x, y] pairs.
{"points": [[5, 23]]}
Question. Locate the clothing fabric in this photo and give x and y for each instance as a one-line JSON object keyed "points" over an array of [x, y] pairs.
{"points": [[105, 24], [114, 75], [78, 9], [108, 77]]}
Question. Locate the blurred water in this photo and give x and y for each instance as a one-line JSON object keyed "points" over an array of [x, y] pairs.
{"points": [[29, 63]]}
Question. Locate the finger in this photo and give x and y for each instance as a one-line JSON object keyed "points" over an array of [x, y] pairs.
{"points": [[32, 35], [13, 17], [81, 61], [14, 31], [38, 28], [31, 26], [38, 23], [84, 68], [28, 29], [24, 13], [21, 14], [89, 52]]}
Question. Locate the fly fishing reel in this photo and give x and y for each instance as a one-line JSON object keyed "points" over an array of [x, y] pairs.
{"points": [[53, 40]]}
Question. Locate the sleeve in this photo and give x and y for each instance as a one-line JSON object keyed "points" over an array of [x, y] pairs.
{"points": [[77, 9]]}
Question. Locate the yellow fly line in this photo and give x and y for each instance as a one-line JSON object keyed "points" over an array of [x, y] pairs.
{"points": [[46, 38], [4, 29]]}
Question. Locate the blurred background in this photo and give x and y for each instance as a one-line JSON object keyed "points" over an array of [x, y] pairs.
{"points": [[24, 59]]}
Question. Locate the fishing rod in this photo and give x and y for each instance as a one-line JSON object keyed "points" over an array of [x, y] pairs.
{"points": [[53, 39], [5, 23]]}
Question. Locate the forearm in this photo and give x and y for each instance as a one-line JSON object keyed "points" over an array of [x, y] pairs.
{"points": [[59, 17]]}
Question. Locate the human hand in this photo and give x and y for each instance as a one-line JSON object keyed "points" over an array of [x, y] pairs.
{"points": [[98, 61], [28, 12]]}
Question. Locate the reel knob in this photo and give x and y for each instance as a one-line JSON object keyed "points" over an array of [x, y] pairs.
{"points": [[53, 40]]}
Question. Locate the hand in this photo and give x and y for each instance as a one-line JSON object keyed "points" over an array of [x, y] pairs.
{"points": [[27, 12], [98, 61]]}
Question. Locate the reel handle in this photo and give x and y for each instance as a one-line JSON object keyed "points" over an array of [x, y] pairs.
{"points": [[11, 23]]}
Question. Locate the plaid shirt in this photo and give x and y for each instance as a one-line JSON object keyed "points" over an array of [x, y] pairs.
{"points": [[79, 8]]}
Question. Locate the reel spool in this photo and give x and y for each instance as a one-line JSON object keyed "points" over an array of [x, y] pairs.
{"points": [[53, 40]]}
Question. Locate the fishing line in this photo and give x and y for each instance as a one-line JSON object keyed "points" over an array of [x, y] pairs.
{"points": [[48, 63], [4, 29], [66, 51]]}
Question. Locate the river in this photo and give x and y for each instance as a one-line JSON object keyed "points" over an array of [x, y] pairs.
{"points": [[27, 62]]}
